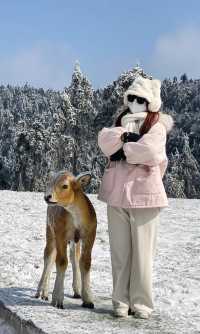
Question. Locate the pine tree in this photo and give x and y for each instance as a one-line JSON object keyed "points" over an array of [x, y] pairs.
{"points": [[174, 182], [190, 171]]}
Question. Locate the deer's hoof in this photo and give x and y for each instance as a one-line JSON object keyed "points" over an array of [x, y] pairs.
{"points": [[45, 298], [37, 295], [88, 305], [43, 295], [57, 304], [60, 305]]}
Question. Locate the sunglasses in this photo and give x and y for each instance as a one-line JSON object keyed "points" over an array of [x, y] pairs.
{"points": [[140, 100]]}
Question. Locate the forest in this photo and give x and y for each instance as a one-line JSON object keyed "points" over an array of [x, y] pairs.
{"points": [[47, 130]]}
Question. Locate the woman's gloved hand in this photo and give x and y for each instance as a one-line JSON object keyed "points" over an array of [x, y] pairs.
{"points": [[125, 137], [130, 137], [119, 155]]}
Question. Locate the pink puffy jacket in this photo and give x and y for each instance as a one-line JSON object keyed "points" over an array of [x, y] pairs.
{"points": [[137, 181]]}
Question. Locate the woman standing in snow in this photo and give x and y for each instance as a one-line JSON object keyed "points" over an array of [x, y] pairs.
{"points": [[133, 189]]}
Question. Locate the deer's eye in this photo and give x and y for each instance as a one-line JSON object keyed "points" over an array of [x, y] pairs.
{"points": [[65, 186]]}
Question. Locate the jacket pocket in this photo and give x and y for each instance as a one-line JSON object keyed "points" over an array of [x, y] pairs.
{"points": [[147, 181]]}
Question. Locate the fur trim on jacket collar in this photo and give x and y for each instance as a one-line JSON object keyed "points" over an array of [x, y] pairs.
{"points": [[165, 119]]}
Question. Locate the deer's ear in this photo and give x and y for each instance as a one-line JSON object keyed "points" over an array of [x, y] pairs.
{"points": [[51, 175], [84, 179]]}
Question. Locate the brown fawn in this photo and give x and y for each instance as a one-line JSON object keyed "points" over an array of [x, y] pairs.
{"points": [[71, 218]]}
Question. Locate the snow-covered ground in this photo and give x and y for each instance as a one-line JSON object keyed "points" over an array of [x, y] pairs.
{"points": [[176, 273]]}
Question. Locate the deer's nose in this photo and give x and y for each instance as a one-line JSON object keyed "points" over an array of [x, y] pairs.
{"points": [[47, 198]]}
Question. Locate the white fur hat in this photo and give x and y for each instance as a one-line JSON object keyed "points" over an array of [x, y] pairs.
{"points": [[148, 89]]}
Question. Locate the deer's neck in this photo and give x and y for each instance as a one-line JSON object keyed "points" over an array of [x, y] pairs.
{"points": [[76, 215], [76, 209]]}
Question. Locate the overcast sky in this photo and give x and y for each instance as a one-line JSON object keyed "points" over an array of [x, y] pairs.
{"points": [[40, 40]]}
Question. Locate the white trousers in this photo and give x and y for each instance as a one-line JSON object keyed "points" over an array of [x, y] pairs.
{"points": [[132, 235]]}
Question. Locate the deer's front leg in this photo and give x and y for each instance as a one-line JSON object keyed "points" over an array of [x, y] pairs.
{"points": [[61, 266], [49, 260]]}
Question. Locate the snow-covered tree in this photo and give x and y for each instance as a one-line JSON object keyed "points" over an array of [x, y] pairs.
{"points": [[48, 130]]}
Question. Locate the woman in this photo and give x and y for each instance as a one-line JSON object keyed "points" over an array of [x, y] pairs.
{"points": [[133, 189]]}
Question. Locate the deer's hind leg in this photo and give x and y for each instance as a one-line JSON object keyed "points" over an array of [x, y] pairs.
{"points": [[85, 264], [49, 260], [75, 258]]}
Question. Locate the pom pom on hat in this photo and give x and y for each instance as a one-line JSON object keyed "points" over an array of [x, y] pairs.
{"points": [[148, 89]]}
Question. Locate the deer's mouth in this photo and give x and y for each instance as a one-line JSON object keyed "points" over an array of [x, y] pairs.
{"points": [[50, 202]]}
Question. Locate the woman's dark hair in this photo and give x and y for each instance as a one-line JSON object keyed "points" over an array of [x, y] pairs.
{"points": [[119, 118], [150, 120]]}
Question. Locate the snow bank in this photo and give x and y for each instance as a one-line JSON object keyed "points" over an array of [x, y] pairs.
{"points": [[176, 273]]}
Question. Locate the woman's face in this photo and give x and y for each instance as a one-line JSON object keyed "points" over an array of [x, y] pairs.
{"points": [[136, 104]]}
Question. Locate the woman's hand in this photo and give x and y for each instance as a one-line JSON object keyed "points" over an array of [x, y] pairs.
{"points": [[125, 138], [130, 137]]}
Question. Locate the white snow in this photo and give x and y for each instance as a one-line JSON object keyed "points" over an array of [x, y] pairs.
{"points": [[176, 272]]}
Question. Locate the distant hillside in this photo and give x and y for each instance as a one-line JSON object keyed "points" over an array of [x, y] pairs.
{"points": [[49, 130]]}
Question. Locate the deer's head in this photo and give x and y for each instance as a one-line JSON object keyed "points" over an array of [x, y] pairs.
{"points": [[63, 187]]}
